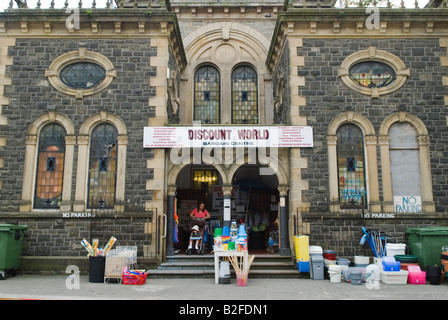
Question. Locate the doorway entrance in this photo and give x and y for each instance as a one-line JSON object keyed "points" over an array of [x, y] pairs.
{"points": [[254, 203]]}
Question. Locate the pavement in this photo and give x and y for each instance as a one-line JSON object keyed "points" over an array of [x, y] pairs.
{"points": [[61, 287]]}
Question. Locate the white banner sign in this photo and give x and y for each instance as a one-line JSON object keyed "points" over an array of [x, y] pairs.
{"points": [[198, 137]]}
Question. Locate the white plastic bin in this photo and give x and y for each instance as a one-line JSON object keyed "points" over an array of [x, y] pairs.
{"points": [[395, 249]]}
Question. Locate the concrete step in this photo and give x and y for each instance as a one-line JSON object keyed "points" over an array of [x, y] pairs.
{"points": [[210, 265], [198, 266]]}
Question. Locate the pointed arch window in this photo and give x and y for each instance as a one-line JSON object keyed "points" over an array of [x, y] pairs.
{"points": [[351, 166], [50, 167], [244, 95], [207, 95], [102, 167]]}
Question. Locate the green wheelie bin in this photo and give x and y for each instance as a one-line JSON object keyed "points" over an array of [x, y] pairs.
{"points": [[11, 244], [427, 244]]}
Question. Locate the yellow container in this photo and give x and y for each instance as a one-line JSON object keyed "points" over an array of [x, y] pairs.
{"points": [[301, 244]]}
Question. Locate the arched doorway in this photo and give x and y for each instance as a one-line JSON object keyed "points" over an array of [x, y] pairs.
{"points": [[240, 185]]}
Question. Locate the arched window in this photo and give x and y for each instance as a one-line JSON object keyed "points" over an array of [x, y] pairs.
{"points": [[50, 167], [207, 95], [102, 167], [351, 166], [404, 160], [244, 95]]}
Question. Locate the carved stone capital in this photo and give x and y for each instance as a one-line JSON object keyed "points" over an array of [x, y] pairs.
{"points": [[31, 139], [227, 190], [423, 140], [172, 190], [371, 140], [83, 139], [332, 140]]}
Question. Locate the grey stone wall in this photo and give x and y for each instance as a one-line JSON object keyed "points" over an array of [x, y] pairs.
{"points": [[326, 96], [31, 95], [342, 233], [58, 237]]}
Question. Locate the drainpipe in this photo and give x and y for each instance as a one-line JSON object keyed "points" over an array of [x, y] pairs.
{"points": [[170, 220], [284, 249]]}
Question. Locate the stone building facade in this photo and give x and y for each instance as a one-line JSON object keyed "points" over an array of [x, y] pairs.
{"points": [[300, 56]]}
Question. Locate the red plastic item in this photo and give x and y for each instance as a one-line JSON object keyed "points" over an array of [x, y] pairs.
{"points": [[134, 279]]}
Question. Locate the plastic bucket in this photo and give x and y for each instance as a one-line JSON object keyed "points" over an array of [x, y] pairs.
{"points": [[433, 274], [334, 272], [356, 277], [241, 279], [362, 261], [97, 265]]}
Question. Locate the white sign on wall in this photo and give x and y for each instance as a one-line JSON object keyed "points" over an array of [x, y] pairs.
{"points": [[408, 203], [228, 137]]}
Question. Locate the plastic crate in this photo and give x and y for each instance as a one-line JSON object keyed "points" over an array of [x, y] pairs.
{"points": [[417, 278], [134, 279], [394, 277], [391, 265]]}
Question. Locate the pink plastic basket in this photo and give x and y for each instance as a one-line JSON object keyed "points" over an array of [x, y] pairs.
{"points": [[134, 279]]}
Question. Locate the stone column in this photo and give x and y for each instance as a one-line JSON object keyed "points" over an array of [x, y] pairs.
{"points": [[425, 173], [171, 196], [388, 202], [121, 173], [70, 141], [284, 249], [227, 195], [372, 172], [81, 173], [332, 142], [28, 172]]}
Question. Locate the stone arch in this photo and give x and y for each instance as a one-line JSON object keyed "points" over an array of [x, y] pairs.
{"points": [[280, 171], [176, 169], [351, 117], [103, 116], [227, 172], [48, 117], [403, 116]]}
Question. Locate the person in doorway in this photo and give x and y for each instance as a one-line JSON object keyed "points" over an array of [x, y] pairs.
{"points": [[272, 244], [198, 216]]}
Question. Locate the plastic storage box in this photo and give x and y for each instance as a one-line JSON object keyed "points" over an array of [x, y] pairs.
{"points": [[394, 277], [391, 265], [416, 276]]}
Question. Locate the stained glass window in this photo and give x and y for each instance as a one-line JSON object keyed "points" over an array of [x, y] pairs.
{"points": [[372, 74], [82, 75], [50, 167], [103, 166], [207, 100], [351, 166], [244, 96]]}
